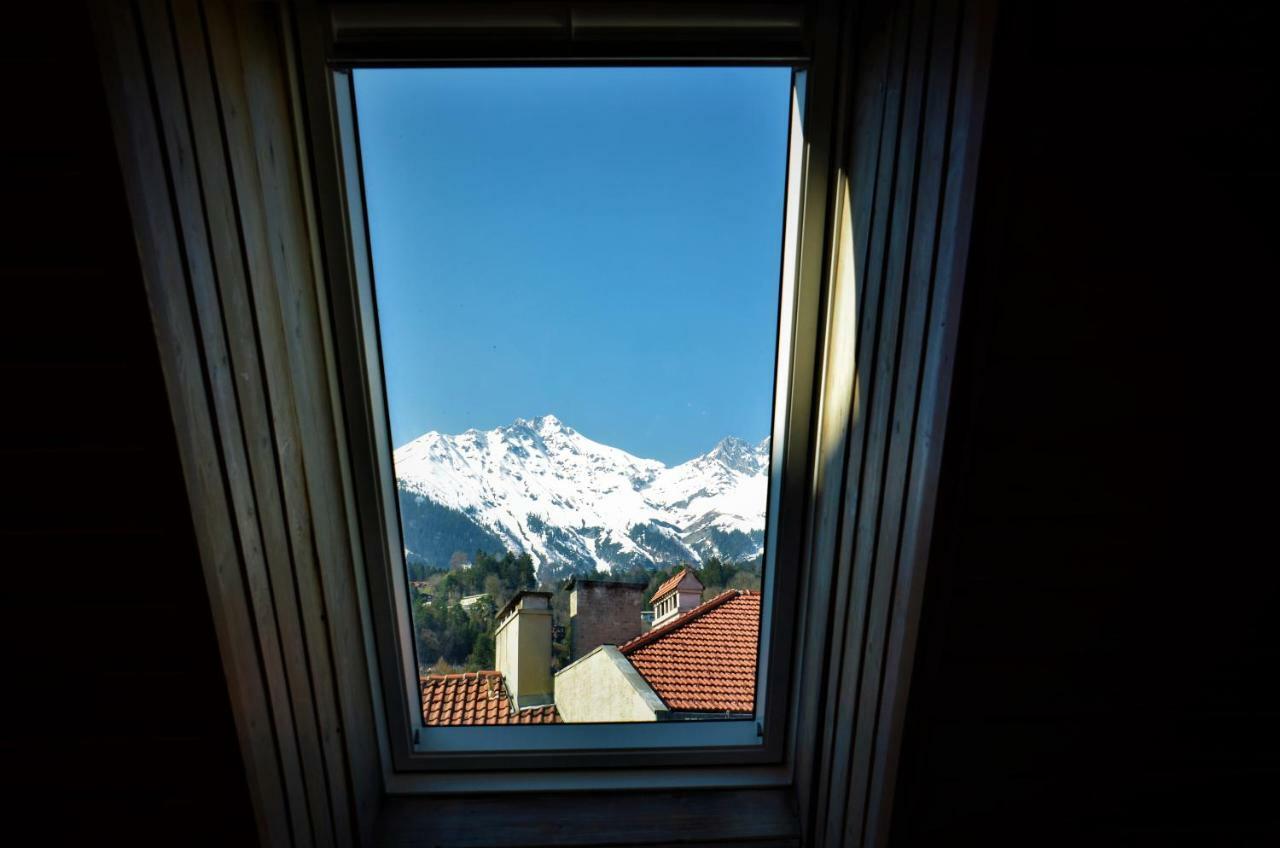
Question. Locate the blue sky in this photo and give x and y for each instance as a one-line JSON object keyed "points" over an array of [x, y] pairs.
{"points": [[598, 243]]}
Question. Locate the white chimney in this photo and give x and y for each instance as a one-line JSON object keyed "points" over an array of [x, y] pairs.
{"points": [[522, 648]]}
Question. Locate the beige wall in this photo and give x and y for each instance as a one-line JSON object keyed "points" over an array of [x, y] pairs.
{"points": [[522, 652], [605, 686]]}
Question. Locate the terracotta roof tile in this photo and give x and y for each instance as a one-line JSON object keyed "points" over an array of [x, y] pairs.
{"points": [[705, 660], [475, 698]]}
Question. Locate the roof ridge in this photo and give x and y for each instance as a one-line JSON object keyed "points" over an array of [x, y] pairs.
{"points": [[458, 675], [680, 620]]}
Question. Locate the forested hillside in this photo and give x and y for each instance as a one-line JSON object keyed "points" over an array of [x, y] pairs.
{"points": [[453, 638]]}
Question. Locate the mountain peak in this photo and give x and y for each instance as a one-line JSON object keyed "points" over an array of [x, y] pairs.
{"points": [[731, 443], [739, 455], [548, 422], [538, 486], [538, 428], [541, 424]]}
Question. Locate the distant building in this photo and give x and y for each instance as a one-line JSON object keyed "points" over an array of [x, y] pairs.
{"points": [[519, 691], [603, 612], [468, 601], [679, 594], [704, 661], [691, 664], [698, 660]]}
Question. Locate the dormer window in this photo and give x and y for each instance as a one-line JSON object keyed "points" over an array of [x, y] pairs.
{"points": [[679, 594]]}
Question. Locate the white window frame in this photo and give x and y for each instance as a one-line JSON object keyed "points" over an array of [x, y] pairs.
{"points": [[416, 748]]}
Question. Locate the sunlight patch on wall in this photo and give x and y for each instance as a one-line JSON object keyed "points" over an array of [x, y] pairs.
{"points": [[840, 405]]}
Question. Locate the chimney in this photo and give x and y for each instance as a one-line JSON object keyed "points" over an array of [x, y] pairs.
{"points": [[522, 648], [677, 596], [603, 612]]}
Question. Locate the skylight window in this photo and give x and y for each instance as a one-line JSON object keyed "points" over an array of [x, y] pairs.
{"points": [[578, 279]]}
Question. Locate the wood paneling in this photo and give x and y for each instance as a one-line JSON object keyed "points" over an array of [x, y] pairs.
{"points": [[914, 99], [208, 140]]}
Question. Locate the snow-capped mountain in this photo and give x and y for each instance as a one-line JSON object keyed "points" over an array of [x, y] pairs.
{"points": [[540, 487]]}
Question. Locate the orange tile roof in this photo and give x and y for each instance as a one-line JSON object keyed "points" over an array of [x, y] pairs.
{"points": [[672, 582], [473, 698], [704, 660]]}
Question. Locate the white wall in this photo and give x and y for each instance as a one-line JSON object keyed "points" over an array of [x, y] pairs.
{"points": [[605, 686]]}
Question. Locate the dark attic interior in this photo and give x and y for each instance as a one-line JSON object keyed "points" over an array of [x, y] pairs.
{"points": [[1017, 584]]}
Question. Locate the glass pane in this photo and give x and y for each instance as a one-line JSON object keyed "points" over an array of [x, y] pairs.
{"points": [[577, 277]]}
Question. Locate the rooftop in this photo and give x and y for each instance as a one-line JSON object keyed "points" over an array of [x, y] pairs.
{"points": [[704, 660], [475, 698]]}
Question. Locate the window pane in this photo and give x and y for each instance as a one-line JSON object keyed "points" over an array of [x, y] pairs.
{"points": [[577, 277]]}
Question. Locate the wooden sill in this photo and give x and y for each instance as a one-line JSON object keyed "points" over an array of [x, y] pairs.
{"points": [[758, 817]]}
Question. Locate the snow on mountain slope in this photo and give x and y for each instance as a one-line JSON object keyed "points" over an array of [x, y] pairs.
{"points": [[540, 487]]}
